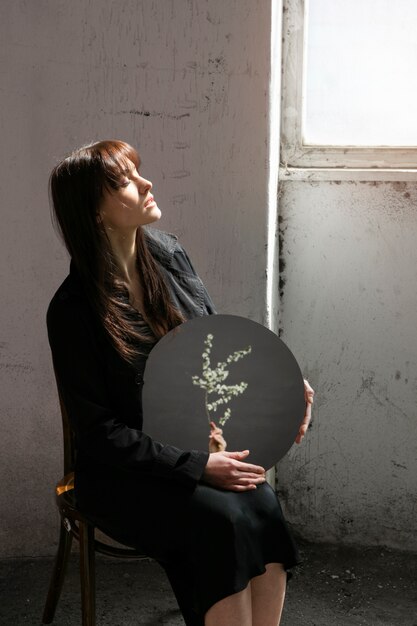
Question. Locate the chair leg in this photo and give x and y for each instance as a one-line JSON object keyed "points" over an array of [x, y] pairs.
{"points": [[58, 575], [87, 574]]}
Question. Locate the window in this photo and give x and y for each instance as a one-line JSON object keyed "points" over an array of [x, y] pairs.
{"points": [[349, 84]]}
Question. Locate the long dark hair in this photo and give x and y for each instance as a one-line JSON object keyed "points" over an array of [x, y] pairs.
{"points": [[76, 190]]}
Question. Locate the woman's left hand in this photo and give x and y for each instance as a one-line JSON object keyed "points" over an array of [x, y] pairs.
{"points": [[309, 395]]}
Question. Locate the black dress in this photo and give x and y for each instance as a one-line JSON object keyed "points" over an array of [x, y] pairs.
{"points": [[149, 494]]}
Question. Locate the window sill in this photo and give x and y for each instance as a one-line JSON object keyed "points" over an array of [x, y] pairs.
{"points": [[347, 174]]}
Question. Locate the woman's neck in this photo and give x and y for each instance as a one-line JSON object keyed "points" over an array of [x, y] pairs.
{"points": [[124, 250]]}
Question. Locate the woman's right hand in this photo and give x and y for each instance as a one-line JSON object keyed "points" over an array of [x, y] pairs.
{"points": [[217, 442], [226, 470]]}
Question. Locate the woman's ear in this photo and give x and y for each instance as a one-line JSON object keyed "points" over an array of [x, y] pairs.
{"points": [[99, 218]]}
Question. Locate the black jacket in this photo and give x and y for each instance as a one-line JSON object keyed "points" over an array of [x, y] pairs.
{"points": [[102, 393]]}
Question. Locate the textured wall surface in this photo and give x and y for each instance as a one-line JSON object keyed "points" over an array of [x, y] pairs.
{"points": [[185, 81], [349, 303]]}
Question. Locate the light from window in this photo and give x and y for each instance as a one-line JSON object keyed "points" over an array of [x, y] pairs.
{"points": [[360, 73]]}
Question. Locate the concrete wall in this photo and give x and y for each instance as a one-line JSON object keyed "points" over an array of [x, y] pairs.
{"points": [[348, 312], [186, 81]]}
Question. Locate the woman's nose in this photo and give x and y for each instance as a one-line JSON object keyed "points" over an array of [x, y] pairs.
{"points": [[144, 185]]}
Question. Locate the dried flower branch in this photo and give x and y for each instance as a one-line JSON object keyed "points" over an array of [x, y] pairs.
{"points": [[212, 380]]}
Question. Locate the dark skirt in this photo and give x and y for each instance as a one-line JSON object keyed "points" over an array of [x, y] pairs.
{"points": [[210, 542]]}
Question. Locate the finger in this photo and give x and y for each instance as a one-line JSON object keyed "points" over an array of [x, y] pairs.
{"points": [[242, 487], [237, 455], [217, 437], [301, 434], [304, 424], [302, 431], [307, 417], [308, 391], [213, 435], [250, 481], [247, 467], [249, 476]]}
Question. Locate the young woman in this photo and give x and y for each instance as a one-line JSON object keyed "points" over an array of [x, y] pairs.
{"points": [[209, 518]]}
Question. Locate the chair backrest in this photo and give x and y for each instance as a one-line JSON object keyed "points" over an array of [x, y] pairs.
{"points": [[65, 492], [68, 435]]}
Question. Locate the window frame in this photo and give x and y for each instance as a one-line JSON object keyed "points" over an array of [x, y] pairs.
{"points": [[295, 154]]}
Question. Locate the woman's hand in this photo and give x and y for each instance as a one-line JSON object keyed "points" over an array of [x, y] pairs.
{"points": [[217, 442], [226, 470], [309, 395]]}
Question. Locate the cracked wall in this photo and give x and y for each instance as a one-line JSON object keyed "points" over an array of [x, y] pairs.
{"points": [[349, 314]]}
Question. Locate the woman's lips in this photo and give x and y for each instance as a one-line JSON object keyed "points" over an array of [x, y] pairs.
{"points": [[149, 201]]}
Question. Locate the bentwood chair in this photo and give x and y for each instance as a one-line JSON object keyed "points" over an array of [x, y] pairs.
{"points": [[74, 524]]}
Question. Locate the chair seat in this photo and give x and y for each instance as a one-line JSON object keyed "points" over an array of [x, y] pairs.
{"points": [[75, 524], [71, 517], [65, 485]]}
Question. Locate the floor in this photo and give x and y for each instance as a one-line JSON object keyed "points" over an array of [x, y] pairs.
{"points": [[333, 587]]}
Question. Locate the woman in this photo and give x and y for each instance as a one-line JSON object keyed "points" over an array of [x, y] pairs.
{"points": [[209, 519]]}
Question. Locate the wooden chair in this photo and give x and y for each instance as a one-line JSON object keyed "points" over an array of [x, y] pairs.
{"points": [[74, 524]]}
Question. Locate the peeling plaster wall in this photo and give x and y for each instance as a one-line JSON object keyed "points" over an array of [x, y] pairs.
{"points": [[349, 314], [185, 81]]}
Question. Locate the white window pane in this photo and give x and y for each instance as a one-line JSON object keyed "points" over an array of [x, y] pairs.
{"points": [[360, 73]]}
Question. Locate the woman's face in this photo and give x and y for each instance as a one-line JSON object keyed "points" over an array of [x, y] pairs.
{"points": [[131, 205]]}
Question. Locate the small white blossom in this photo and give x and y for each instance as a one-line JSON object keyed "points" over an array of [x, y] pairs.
{"points": [[225, 417], [212, 380]]}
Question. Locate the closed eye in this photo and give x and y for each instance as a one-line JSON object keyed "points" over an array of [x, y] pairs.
{"points": [[129, 174]]}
